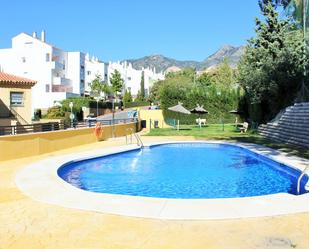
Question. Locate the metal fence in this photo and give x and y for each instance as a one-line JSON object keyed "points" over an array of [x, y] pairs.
{"points": [[54, 126], [31, 128]]}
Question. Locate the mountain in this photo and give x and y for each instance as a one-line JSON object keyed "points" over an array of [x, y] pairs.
{"points": [[162, 63], [233, 55]]}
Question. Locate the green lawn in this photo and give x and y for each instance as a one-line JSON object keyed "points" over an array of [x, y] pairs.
{"points": [[216, 132]]}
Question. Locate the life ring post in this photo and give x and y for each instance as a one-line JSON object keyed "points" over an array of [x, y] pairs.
{"points": [[98, 130]]}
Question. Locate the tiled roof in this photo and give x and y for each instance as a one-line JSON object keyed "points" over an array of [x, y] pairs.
{"points": [[15, 80]]}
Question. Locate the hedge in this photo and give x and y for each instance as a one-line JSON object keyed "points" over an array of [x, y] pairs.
{"points": [[136, 104]]}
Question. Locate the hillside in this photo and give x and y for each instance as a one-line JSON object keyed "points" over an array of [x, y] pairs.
{"points": [[162, 63]]}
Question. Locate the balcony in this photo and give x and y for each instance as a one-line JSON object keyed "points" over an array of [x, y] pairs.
{"points": [[58, 66], [61, 81], [62, 88]]}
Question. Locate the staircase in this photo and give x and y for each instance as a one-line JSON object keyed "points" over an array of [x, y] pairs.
{"points": [[19, 118], [292, 126]]}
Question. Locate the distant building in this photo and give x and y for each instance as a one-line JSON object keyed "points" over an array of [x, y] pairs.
{"points": [[94, 67], [132, 77], [15, 100], [59, 74]]}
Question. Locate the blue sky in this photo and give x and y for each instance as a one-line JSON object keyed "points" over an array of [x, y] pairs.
{"points": [[122, 29]]}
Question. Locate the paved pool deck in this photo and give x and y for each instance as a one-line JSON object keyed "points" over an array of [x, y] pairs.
{"points": [[26, 223]]}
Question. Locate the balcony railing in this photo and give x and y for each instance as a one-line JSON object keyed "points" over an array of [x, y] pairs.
{"points": [[61, 81], [57, 65], [62, 88], [54, 126], [31, 128]]}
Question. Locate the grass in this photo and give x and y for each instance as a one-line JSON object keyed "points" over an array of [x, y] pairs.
{"points": [[216, 132]]}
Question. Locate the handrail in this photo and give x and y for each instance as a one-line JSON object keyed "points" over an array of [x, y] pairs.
{"points": [[139, 140], [299, 179], [129, 129], [17, 115]]}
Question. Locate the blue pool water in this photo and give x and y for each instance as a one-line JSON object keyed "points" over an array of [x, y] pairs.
{"points": [[187, 170]]}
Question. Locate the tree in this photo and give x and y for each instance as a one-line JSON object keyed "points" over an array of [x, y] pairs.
{"points": [[117, 82], [293, 8], [224, 75], [142, 91], [127, 98], [98, 86], [274, 3], [204, 80], [154, 95], [180, 87], [271, 69]]}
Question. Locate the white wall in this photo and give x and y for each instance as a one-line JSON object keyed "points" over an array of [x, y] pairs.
{"points": [[76, 71], [132, 77], [57, 72], [93, 67], [27, 58]]}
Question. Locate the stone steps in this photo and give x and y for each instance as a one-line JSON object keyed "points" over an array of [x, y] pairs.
{"points": [[284, 134], [285, 139], [287, 130], [292, 127]]}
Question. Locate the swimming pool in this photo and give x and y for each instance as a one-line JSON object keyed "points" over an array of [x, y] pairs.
{"points": [[183, 171]]}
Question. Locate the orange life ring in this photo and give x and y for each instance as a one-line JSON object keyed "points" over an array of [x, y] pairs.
{"points": [[98, 130]]}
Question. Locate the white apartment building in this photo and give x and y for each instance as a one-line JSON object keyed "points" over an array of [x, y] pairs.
{"points": [[59, 74], [132, 77], [94, 67]]}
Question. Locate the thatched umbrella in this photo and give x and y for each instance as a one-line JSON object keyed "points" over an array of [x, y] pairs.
{"points": [[199, 110], [179, 109], [236, 112]]}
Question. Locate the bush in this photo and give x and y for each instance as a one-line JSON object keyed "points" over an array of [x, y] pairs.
{"points": [[136, 104], [217, 101], [217, 93], [37, 114], [55, 112]]}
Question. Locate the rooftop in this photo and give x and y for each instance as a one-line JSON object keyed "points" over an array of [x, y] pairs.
{"points": [[6, 78]]}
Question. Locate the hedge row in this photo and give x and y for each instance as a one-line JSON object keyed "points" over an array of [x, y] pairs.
{"points": [[212, 118], [135, 104]]}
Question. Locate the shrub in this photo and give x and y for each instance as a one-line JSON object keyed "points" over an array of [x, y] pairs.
{"points": [[136, 104]]}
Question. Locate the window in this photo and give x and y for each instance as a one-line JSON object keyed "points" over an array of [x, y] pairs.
{"points": [[17, 98], [47, 57], [47, 88], [129, 78], [23, 59], [88, 72]]}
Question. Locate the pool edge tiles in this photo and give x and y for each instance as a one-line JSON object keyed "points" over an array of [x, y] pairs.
{"points": [[215, 171], [41, 182]]}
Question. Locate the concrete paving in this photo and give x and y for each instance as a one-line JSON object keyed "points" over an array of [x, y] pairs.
{"points": [[27, 223]]}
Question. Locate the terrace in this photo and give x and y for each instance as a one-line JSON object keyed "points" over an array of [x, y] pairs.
{"points": [[27, 221]]}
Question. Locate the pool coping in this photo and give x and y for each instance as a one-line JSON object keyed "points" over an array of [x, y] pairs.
{"points": [[42, 183]]}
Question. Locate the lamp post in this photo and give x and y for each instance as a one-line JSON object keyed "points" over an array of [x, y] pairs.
{"points": [[71, 115], [222, 121], [113, 116], [97, 99]]}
